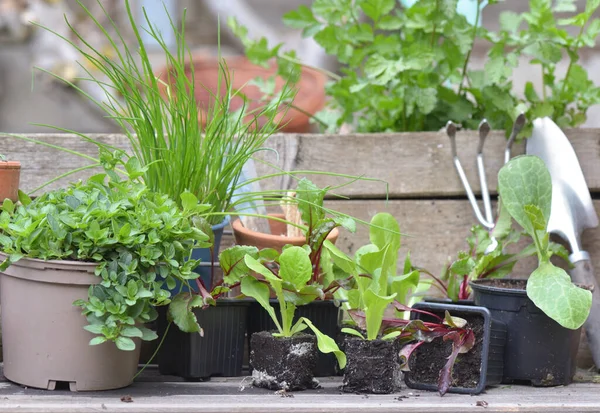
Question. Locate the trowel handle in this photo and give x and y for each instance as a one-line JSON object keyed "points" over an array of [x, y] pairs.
{"points": [[583, 273]]}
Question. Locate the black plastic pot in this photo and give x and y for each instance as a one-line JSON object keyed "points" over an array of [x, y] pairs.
{"points": [[324, 315], [538, 349], [219, 353], [445, 300], [372, 366], [486, 357], [283, 363]]}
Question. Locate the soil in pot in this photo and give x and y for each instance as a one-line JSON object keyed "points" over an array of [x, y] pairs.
{"points": [[283, 363], [372, 366], [538, 351], [429, 359]]}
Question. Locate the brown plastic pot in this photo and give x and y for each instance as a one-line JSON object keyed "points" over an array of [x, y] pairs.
{"points": [[43, 336], [10, 173], [310, 97], [277, 239]]}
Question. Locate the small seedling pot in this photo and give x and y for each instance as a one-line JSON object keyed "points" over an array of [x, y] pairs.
{"points": [[480, 367], [372, 366], [45, 345], [538, 349], [325, 315], [220, 352], [283, 363]]}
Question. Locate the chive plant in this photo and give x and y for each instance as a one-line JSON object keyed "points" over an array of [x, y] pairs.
{"points": [[182, 145]]}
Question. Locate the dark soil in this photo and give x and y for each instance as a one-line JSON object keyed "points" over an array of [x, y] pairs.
{"points": [[372, 366], [429, 359], [283, 363], [505, 283]]}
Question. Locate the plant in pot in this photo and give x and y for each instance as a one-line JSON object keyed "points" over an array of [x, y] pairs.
{"points": [[306, 216], [178, 152], [412, 66], [283, 359], [547, 307], [110, 246], [375, 286]]}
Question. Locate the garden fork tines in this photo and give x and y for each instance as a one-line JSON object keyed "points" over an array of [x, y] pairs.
{"points": [[484, 129]]}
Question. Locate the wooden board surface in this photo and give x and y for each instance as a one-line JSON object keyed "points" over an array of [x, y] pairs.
{"points": [[237, 395], [414, 165]]}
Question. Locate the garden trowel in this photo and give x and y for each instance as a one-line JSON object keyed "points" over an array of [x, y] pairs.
{"points": [[572, 211]]}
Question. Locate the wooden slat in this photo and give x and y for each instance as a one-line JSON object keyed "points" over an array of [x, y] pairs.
{"points": [[436, 230], [415, 165]]}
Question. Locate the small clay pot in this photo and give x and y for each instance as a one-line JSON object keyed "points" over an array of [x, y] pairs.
{"points": [[310, 97], [372, 366], [277, 239], [10, 173], [283, 363]]}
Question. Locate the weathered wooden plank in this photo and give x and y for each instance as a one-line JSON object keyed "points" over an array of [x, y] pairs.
{"points": [[435, 230], [236, 395], [415, 165]]}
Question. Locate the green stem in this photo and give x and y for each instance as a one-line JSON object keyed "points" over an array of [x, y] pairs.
{"points": [[562, 90], [473, 37], [318, 69]]}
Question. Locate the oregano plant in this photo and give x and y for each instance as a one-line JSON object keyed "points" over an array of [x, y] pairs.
{"points": [[525, 187], [141, 241]]}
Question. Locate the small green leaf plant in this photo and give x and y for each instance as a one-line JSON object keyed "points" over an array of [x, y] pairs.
{"points": [[525, 187], [287, 276], [377, 289], [141, 241], [487, 257], [410, 68]]}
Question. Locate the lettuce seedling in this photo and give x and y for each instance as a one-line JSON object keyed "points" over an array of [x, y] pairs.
{"points": [[376, 283], [525, 186]]}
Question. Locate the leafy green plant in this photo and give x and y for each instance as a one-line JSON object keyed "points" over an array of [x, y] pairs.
{"points": [[141, 241], [525, 186], [376, 283], [183, 146], [288, 275], [409, 69]]}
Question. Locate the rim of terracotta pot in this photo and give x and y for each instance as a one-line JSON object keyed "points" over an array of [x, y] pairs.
{"points": [[10, 165], [238, 227], [293, 118]]}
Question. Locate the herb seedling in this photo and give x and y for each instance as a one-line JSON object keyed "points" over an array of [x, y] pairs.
{"points": [[525, 186]]}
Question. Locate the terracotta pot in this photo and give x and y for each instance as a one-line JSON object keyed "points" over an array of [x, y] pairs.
{"points": [[10, 173], [310, 97], [277, 239], [43, 336]]}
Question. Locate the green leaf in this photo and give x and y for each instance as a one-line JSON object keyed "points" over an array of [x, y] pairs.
{"points": [[376, 8], [384, 230], [232, 262], [147, 334], [525, 182], [132, 332], [24, 198], [181, 312], [401, 285], [463, 266], [134, 168], [295, 266], [310, 202], [510, 21], [188, 201], [375, 306], [256, 266], [551, 290], [125, 344], [98, 340], [536, 217], [392, 335], [95, 328], [503, 223], [260, 292], [340, 259], [352, 332], [389, 22], [301, 18], [326, 344]]}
